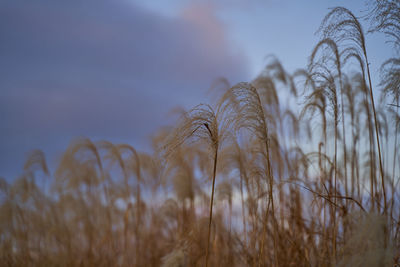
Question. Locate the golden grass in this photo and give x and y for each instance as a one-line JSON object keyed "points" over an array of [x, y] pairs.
{"points": [[292, 189]]}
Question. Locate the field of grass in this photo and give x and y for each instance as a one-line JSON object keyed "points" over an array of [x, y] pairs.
{"points": [[290, 169]]}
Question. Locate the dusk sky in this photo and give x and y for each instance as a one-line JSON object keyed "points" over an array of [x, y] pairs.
{"points": [[113, 70]]}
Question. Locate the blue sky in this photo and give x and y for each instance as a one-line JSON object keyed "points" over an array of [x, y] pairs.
{"points": [[114, 69]]}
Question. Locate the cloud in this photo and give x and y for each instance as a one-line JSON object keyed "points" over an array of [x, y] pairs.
{"points": [[102, 69]]}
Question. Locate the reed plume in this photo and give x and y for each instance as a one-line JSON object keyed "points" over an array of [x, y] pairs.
{"points": [[204, 124], [298, 177], [341, 25]]}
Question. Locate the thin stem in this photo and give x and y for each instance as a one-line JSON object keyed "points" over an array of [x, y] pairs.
{"points": [[211, 205], [377, 134], [270, 201]]}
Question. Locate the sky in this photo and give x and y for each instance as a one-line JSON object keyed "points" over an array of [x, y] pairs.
{"points": [[114, 69]]}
